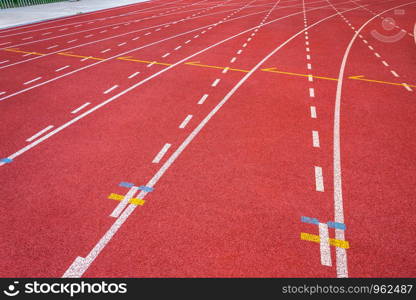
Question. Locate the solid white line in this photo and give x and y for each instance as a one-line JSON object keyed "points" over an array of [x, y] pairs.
{"points": [[215, 83], [79, 108], [130, 194], [315, 138], [394, 73], [311, 92], [324, 246], [39, 133], [133, 75], [110, 89], [33, 80], [60, 69], [203, 98], [161, 153], [244, 45], [185, 122], [313, 112], [319, 179]]}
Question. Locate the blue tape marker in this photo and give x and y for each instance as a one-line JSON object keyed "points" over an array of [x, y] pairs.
{"points": [[146, 188], [126, 184], [6, 160], [337, 225], [309, 220]]}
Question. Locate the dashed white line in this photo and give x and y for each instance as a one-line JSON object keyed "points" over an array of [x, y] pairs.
{"points": [[308, 57], [215, 83], [51, 47], [166, 55], [394, 73], [319, 179], [310, 78], [233, 59], [376, 54], [186, 121], [407, 87], [134, 75], [33, 80], [28, 38], [79, 108], [71, 41], [39, 133], [188, 41], [385, 63], [313, 112], [225, 70], [309, 66], [110, 89], [177, 48], [121, 44], [312, 92], [5, 43], [4, 61], [106, 50], [161, 153], [203, 98], [239, 51], [60, 69], [315, 139], [151, 64]]}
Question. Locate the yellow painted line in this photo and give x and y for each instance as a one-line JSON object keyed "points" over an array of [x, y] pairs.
{"points": [[79, 56], [274, 70], [128, 58], [196, 63], [377, 81], [21, 51], [135, 201], [315, 238]]}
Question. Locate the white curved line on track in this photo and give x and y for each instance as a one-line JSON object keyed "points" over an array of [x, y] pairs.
{"points": [[341, 254], [80, 264]]}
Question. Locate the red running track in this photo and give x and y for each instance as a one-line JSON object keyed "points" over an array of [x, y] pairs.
{"points": [[261, 138]]}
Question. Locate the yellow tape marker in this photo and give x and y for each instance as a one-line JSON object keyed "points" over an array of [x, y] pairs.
{"points": [[135, 201], [315, 238]]}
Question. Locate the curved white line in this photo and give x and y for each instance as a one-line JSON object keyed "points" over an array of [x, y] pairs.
{"points": [[341, 254]]}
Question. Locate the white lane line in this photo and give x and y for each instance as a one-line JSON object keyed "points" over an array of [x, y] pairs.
{"points": [[203, 98], [313, 112], [63, 29], [33, 80], [310, 78], [308, 57], [196, 36], [39, 133], [215, 83], [147, 33], [122, 44], [239, 51], [71, 41], [315, 139], [5, 43], [370, 47], [2, 93], [133, 75], [249, 39], [110, 89], [385, 63], [188, 41], [233, 59], [86, 58], [311, 92], [88, 35], [161, 153], [106, 50], [365, 41], [319, 179], [103, 31], [4, 61], [27, 54], [116, 27], [307, 43], [51, 47], [28, 38], [166, 55], [63, 68], [244, 45], [135, 39], [79, 108], [309, 66], [225, 70], [324, 246], [308, 49], [186, 121], [177, 48], [376, 54], [407, 87], [151, 64], [394, 73]]}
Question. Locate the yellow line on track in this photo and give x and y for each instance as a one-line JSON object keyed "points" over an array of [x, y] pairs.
{"points": [[317, 239]]}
